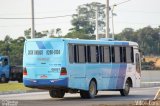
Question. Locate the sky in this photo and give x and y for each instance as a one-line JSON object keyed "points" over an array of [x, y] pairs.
{"points": [[133, 14]]}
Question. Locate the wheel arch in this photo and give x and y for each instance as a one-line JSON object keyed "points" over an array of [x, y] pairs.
{"points": [[130, 81], [93, 79]]}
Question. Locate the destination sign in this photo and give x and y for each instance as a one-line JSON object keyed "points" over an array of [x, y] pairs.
{"points": [[41, 52]]}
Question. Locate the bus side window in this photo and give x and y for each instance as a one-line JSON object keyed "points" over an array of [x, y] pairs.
{"points": [[88, 54], [132, 55], [93, 54], [117, 54], [124, 54], [76, 54], [97, 54], [106, 54], [81, 50], [71, 53], [121, 55], [129, 54], [113, 54], [101, 52]]}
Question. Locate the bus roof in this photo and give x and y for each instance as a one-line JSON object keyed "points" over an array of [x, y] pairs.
{"points": [[85, 41]]}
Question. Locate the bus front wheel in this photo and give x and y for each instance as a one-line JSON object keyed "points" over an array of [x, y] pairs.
{"points": [[56, 93], [125, 91], [91, 92]]}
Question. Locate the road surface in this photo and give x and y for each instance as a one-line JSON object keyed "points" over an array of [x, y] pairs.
{"points": [[103, 97]]}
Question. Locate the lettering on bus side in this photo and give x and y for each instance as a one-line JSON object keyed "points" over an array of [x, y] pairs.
{"points": [[52, 52], [40, 52], [35, 52]]}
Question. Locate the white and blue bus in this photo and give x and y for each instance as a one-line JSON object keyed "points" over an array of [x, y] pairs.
{"points": [[81, 66]]}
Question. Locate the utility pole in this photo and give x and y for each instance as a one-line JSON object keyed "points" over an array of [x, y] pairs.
{"points": [[107, 18], [112, 20], [97, 36], [32, 29]]}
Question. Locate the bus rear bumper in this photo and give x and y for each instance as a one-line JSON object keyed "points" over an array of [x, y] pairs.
{"points": [[45, 83]]}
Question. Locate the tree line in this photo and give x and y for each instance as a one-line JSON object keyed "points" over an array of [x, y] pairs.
{"points": [[83, 23]]}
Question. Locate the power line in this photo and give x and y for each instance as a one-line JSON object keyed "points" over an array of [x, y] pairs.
{"points": [[17, 18], [116, 4]]}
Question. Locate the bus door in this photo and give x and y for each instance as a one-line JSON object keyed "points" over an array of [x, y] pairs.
{"points": [[138, 69]]}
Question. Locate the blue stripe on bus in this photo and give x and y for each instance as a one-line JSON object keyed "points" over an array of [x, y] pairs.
{"points": [[48, 45], [107, 80], [125, 43], [121, 76], [113, 78], [40, 45]]}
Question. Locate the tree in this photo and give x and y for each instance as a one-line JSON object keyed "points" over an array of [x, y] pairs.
{"points": [[7, 42], [85, 18], [79, 34], [27, 34], [148, 39], [59, 32]]}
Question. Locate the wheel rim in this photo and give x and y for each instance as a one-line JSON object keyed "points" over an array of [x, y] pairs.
{"points": [[92, 88]]}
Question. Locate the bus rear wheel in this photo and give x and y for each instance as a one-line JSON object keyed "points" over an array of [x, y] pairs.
{"points": [[91, 92], [56, 93], [125, 91]]}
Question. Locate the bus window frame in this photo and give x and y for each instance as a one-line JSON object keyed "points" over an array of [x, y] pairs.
{"points": [[87, 56], [103, 62], [79, 53], [132, 51], [97, 62]]}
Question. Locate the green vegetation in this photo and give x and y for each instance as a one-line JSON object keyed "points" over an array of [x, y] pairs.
{"points": [[84, 19], [148, 39], [13, 49], [13, 87]]}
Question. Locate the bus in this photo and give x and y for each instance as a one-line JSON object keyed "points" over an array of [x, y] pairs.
{"points": [[64, 65]]}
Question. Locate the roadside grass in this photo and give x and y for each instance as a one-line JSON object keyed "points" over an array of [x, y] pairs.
{"points": [[13, 87]]}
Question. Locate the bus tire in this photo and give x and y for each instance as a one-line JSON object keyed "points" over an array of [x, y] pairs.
{"points": [[83, 94], [97, 92], [56, 93], [125, 91], [91, 92]]}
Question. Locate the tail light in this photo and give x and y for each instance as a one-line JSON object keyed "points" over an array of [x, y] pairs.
{"points": [[24, 71], [63, 71]]}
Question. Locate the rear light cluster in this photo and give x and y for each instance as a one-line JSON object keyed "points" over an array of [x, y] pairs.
{"points": [[24, 71], [63, 71]]}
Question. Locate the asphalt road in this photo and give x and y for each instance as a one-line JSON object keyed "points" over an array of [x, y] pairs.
{"points": [[103, 97]]}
